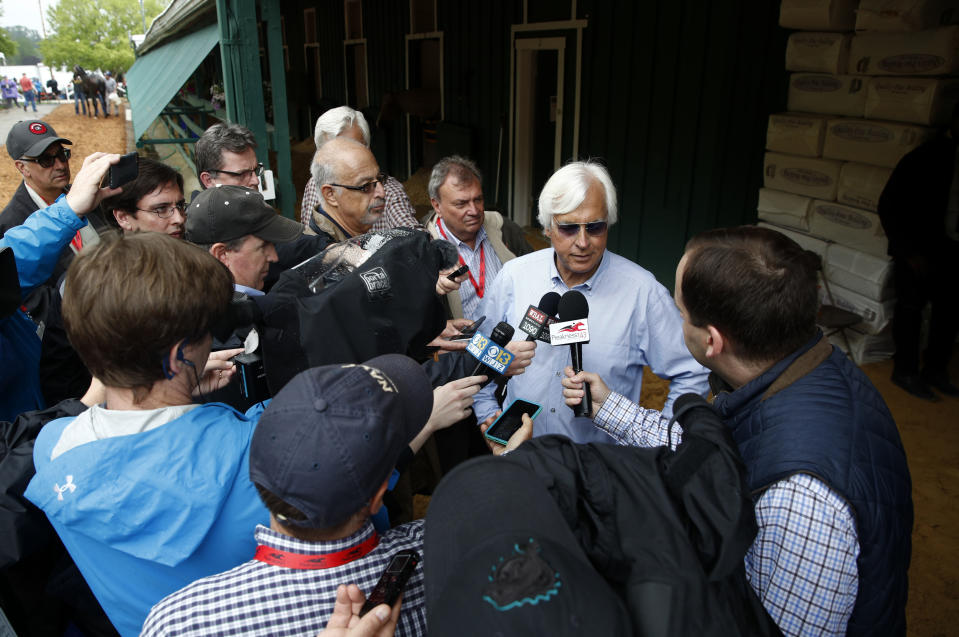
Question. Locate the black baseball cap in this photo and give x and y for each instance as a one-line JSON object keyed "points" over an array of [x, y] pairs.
{"points": [[333, 434], [225, 213], [500, 559], [31, 137]]}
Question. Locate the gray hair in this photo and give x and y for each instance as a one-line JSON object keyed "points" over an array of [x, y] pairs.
{"points": [[324, 164], [334, 121], [218, 138], [566, 190], [463, 170]]}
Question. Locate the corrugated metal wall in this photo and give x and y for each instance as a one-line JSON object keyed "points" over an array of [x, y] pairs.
{"points": [[675, 99]]}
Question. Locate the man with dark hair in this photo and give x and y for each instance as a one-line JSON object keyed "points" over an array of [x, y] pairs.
{"points": [[919, 210], [152, 202], [823, 456], [320, 458], [226, 155], [148, 491], [484, 239]]}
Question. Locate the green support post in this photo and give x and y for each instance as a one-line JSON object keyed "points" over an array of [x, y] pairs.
{"points": [[285, 194]]}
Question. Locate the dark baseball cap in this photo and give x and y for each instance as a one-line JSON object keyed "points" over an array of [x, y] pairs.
{"points": [[500, 559], [31, 137], [333, 434], [225, 213]]}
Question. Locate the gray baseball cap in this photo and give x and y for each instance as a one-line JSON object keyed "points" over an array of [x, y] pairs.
{"points": [[31, 137], [225, 213]]}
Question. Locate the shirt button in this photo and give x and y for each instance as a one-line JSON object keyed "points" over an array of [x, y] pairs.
{"points": [[552, 409], [557, 374]]}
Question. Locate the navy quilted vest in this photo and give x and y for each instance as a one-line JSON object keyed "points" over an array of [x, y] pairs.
{"points": [[832, 423]]}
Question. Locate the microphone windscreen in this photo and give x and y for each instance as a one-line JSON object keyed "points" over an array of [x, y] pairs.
{"points": [[549, 304], [448, 254], [573, 306], [502, 333]]}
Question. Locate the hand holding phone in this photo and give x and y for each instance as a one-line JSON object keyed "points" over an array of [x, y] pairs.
{"points": [[393, 580], [457, 273], [511, 420], [124, 171], [467, 332]]}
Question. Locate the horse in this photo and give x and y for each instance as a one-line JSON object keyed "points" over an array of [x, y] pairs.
{"points": [[93, 86]]}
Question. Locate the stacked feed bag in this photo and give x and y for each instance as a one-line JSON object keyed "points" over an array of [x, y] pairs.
{"points": [[866, 348], [869, 81]]}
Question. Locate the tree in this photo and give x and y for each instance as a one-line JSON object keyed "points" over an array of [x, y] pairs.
{"points": [[95, 33], [7, 46], [26, 41]]}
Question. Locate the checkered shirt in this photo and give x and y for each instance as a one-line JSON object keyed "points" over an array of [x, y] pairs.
{"points": [[398, 212], [257, 598], [803, 561]]}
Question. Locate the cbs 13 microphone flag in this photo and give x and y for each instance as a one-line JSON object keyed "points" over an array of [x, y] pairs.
{"points": [[489, 353]]}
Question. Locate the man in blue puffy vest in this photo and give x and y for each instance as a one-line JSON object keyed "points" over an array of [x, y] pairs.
{"points": [[824, 461]]}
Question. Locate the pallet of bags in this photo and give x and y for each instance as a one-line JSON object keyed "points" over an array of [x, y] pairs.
{"points": [[806, 176], [784, 208], [818, 52], [864, 274], [930, 52], [872, 142], [905, 15], [852, 227], [807, 242], [876, 315], [818, 15], [796, 133], [827, 94], [866, 348], [860, 185], [919, 100]]}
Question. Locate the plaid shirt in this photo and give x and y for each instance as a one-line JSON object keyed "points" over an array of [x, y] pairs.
{"points": [[803, 561], [256, 598], [398, 212]]}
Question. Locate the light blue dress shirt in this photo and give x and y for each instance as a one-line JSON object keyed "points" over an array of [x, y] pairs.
{"points": [[633, 322]]}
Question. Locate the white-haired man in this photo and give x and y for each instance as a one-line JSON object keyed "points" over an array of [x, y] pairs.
{"points": [[633, 320], [344, 121]]}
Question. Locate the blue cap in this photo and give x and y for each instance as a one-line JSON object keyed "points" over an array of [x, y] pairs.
{"points": [[333, 434]]}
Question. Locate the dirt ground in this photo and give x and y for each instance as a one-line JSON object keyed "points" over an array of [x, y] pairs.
{"points": [[930, 431]]}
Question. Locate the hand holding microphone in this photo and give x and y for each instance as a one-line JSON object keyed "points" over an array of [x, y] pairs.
{"points": [[572, 329], [491, 351]]}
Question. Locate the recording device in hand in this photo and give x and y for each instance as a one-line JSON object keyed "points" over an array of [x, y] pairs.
{"points": [[512, 419], [393, 580], [468, 331], [124, 171], [573, 307], [501, 335], [458, 272]]}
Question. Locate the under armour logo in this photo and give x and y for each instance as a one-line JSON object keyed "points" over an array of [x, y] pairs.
{"points": [[67, 485]]}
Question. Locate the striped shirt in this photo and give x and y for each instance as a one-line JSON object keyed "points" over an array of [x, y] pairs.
{"points": [[482, 247], [802, 563], [257, 598]]}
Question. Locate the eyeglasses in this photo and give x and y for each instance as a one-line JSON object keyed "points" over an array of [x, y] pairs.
{"points": [[243, 174], [368, 187], [165, 212], [48, 160], [593, 228]]}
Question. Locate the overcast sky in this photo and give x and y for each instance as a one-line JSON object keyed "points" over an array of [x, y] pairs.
{"points": [[24, 13]]}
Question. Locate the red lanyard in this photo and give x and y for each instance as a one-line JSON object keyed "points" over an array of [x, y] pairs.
{"points": [[278, 557], [482, 281], [77, 242]]}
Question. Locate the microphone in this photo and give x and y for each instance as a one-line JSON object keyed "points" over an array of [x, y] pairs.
{"points": [[573, 309], [537, 318], [501, 335]]}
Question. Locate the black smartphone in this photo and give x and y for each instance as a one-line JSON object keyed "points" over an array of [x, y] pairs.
{"points": [[460, 271], [393, 580], [467, 332], [124, 171], [511, 420]]}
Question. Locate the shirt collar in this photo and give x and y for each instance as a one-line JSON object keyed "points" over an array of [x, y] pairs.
{"points": [[273, 539], [37, 199], [587, 285], [248, 291]]}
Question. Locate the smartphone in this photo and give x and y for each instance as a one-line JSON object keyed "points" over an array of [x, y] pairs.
{"points": [[393, 580], [468, 331], [452, 276], [511, 420], [124, 171]]}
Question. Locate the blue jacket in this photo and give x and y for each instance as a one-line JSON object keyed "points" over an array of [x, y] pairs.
{"points": [[36, 244], [144, 515], [830, 422]]}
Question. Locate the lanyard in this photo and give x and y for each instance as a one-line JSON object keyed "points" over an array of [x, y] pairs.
{"points": [[482, 280], [279, 557]]}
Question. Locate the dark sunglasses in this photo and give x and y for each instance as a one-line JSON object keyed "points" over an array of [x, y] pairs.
{"points": [[593, 228], [368, 187], [48, 160]]}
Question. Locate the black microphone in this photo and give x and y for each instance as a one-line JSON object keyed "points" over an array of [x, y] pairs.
{"points": [[548, 305], [501, 335], [536, 325], [573, 307]]}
